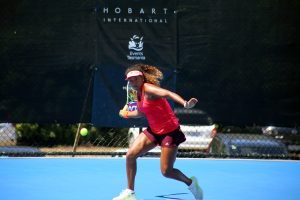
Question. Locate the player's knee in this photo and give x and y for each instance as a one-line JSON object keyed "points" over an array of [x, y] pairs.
{"points": [[131, 155], [166, 171]]}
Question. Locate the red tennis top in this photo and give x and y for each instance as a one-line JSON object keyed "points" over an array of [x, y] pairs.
{"points": [[159, 114]]}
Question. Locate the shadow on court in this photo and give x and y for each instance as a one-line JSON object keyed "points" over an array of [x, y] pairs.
{"points": [[172, 196]]}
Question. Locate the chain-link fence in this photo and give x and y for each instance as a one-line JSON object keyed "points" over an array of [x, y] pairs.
{"points": [[201, 141]]}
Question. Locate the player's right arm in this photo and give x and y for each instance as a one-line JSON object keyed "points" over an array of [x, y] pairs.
{"points": [[130, 114]]}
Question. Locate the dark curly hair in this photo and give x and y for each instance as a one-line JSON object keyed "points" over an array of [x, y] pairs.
{"points": [[151, 73]]}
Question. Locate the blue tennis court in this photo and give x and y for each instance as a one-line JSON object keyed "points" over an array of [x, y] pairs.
{"points": [[104, 178]]}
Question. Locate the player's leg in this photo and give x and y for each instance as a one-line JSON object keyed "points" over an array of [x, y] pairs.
{"points": [[169, 143], [141, 145], [167, 160]]}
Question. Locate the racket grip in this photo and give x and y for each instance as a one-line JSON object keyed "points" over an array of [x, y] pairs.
{"points": [[124, 112], [125, 108]]}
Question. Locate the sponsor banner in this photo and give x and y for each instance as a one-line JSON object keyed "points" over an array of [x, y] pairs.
{"points": [[136, 31]]}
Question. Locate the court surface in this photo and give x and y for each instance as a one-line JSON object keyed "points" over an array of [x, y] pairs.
{"points": [[102, 179]]}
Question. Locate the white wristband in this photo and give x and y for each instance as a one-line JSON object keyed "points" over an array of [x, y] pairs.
{"points": [[185, 104]]}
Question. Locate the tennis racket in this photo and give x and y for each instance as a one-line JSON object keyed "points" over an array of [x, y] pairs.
{"points": [[131, 100]]}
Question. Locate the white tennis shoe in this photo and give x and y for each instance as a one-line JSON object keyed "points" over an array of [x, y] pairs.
{"points": [[126, 194], [196, 189]]}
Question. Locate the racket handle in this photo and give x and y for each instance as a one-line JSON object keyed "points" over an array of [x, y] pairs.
{"points": [[124, 112], [125, 108]]}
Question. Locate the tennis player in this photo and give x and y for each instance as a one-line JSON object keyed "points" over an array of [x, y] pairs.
{"points": [[164, 129]]}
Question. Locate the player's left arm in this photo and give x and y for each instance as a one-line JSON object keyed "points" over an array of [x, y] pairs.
{"points": [[161, 92]]}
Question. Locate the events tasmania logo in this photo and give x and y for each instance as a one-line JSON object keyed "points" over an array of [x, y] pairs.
{"points": [[135, 47], [136, 43]]}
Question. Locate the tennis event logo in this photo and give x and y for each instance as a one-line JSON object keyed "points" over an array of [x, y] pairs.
{"points": [[135, 47], [136, 43]]}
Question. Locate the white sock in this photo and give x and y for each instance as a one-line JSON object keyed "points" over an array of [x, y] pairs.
{"points": [[192, 184], [129, 190]]}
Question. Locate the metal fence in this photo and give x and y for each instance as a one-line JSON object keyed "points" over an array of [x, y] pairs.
{"points": [[201, 141]]}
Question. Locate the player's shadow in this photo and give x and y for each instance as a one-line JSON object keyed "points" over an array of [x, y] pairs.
{"points": [[171, 196]]}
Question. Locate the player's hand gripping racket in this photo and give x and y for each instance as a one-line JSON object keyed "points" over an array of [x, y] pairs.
{"points": [[131, 101]]}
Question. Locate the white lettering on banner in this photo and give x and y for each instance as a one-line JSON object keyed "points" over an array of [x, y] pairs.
{"points": [[153, 11], [135, 15], [105, 10], [136, 57], [135, 20], [136, 53], [118, 10]]}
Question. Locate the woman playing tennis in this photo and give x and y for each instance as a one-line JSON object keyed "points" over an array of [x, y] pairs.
{"points": [[163, 130]]}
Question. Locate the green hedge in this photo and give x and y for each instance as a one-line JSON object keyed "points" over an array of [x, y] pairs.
{"points": [[64, 134]]}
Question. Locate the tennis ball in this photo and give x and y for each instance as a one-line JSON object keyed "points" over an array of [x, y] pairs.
{"points": [[83, 132]]}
